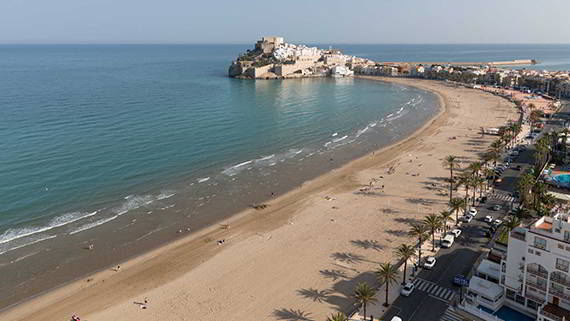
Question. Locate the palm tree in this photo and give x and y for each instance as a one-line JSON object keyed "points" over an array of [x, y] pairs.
{"points": [[475, 167], [364, 294], [451, 162], [387, 274], [512, 222], [433, 223], [488, 173], [465, 180], [405, 252], [456, 204], [420, 232], [338, 317], [445, 217], [521, 213]]}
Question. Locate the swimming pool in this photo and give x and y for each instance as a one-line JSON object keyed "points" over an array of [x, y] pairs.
{"points": [[562, 180], [508, 314]]}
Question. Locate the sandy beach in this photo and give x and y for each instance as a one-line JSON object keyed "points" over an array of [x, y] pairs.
{"points": [[302, 255]]}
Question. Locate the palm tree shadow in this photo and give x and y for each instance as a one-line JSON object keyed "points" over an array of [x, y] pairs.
{"points": [[367, 244], [292, 315], [348, 257], [399, 233], [314, 294], [333, 274]]}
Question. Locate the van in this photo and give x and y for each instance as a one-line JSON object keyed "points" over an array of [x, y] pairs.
{"points": [[447, 241]]}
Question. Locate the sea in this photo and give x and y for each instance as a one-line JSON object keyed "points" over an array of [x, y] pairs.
{"points": [[126, 147]]}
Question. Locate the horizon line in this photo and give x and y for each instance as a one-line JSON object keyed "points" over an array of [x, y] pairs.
{"points": [[243, 43]]}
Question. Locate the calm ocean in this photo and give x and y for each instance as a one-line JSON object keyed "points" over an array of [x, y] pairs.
{"points": [[128, 146], [90, 133]]}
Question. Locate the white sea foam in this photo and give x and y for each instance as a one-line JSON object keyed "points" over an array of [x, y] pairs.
{"points": [[133, 203], [266, 158], [58, 221], [93, 224], [202, 180], [361, 131], [340, 139], [37, 239], [334, 135], [164, 195]]}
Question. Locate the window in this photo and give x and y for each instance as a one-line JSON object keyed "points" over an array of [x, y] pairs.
{"points": [[511, 294], [540, 243], [561, 246], [568, 248], [537, 253], [531, 304], [519, 299], [530, 251], [562, 264], [567, 236]]}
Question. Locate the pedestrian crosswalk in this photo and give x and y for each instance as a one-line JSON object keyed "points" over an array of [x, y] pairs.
{"points": [[451, 315], [502, 197], [434, 289]]}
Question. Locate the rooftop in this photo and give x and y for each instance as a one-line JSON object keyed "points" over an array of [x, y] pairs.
{"points": [[484, 287], [557, 311]]}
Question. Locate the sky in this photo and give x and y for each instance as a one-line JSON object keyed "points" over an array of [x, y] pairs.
{"points": [[308, 21]]}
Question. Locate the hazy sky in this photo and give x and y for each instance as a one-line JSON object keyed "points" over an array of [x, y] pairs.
{"points": [[313, 21]]}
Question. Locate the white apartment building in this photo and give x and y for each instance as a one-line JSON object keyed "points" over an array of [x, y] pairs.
{"points": [[535, 271]]}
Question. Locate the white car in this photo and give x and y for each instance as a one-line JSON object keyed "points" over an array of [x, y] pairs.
{"points": [[407, 289], [467, 218], [429, 263], [497, 222], [488, 219], [497, 208], [455, 232], [473, 211]]}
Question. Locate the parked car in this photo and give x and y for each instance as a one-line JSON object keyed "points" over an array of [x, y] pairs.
{"points": [[455, 232], [488, 219], [467, 218], [447, 241], [473, 211], [484, 198], [429, 263], [497, 208], [497, 222], [407, 289], [517, 168]]}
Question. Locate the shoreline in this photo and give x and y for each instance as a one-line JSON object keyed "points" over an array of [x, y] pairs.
{"points": [[65, 259], [248, 223]]}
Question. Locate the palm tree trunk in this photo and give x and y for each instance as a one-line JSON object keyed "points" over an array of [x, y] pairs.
{"points": [[433, 240], [405, 266], [364, 310], [451, 183], [474, 194], [419, 251], [386, 284]]}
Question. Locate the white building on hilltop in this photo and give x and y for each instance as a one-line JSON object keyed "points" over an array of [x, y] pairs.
{"points": [[535, 272]]}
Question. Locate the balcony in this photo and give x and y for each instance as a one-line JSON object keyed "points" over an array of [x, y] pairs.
{"points": [[536, 285], [537, 272], [536, 296], [554, 312], [561, 280]]}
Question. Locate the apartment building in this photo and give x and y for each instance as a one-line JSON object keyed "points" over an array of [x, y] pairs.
{"points": [[535, 271]]}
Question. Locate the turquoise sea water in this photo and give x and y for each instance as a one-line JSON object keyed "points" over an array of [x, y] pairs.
{"points": [[93, 132], [89, 133]]}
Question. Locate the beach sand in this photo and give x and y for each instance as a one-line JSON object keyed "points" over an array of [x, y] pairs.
{"points": [[302, 256]]}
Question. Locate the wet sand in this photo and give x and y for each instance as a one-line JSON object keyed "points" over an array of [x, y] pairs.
{"points": [[304, 253]]}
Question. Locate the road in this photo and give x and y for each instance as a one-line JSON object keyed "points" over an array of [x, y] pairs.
{"points": [[434, 290]]}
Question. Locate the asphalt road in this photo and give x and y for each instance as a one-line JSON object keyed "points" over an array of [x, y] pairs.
{"points": [[431, 297]]}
